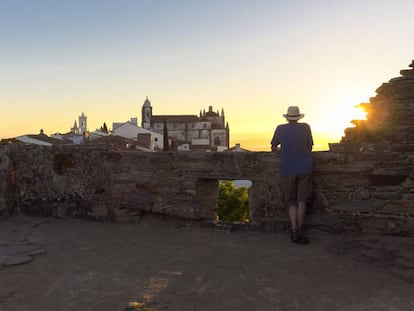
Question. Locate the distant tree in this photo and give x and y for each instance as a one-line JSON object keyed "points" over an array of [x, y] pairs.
{"points": [[233, 202], [104, 128], [166, 147]]}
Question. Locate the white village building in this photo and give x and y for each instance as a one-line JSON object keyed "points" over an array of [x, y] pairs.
{"points": [[40, 139], [144, 137]]}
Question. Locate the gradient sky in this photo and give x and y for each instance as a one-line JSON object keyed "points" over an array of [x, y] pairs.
{"points": [[252, 58]]}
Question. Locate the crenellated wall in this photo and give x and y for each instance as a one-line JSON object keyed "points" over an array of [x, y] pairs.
{"points": [[366, 180]]}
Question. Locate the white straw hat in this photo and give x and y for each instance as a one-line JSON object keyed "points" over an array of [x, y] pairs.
{"points": [[293, 113]]}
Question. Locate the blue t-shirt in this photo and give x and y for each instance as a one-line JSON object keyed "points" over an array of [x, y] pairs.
{"points": [[296, 143]]}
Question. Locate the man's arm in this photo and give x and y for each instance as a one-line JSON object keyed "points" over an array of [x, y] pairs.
{"points": [[275, 140], [310, 138]]}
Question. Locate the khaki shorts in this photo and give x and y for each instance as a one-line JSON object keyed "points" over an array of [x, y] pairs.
{"points": [[296, 188]]}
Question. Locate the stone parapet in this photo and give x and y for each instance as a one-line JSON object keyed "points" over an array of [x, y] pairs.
{"points": [[103, 185]]}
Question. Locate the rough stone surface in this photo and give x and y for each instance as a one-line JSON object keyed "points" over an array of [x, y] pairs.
{"points": [[19, 253], [101, 266], [19, 249], [184, 185], [17, 260]]}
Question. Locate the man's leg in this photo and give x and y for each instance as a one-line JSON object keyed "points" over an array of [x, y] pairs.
{"points": [[304, 192], [301, 213], [290, 197], [301, 219], [293, 215]]}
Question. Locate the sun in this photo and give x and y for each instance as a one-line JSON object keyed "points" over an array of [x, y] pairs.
{"points": [[334, 112], [341, 118], [359, 113]]}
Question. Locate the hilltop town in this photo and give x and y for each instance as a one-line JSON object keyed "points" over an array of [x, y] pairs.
{"points": [[207, 131]]}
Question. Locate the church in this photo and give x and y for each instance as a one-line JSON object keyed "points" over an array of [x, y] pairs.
{"points": [[207, 132]]}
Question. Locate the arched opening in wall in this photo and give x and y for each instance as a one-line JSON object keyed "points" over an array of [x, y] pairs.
{"points": [[233, 201]]}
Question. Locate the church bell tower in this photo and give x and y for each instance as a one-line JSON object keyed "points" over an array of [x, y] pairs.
{"points": [[83, 127], [146, 114]]}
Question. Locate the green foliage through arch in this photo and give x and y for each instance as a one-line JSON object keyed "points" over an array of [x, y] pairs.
{"points": [[233, 202]]}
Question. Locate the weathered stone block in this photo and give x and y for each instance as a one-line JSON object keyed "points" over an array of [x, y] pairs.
{"points": [[341, 181], [345, 147], [408, 197], [318, 219], [359, 206], [385, 195], [386, 180], [62, 163], [400, 206]]}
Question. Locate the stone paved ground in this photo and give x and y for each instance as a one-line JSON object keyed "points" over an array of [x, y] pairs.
{"points": [[160, 266]]}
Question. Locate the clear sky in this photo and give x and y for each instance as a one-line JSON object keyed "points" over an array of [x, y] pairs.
{"points": [[253, 58]]}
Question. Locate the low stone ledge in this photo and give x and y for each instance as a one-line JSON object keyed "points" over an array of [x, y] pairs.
{"points": [[357, 206]]}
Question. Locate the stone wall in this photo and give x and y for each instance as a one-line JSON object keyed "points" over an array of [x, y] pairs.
{"points": [[122, 186], [100, 184], [366, 180], [382, 146]]}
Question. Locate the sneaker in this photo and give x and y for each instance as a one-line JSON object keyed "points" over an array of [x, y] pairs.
{"points": [[298, 237], [302, 239], [294, 234]]}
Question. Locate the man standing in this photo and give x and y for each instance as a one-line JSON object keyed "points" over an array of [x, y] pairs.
{"points": [[295, 140]]}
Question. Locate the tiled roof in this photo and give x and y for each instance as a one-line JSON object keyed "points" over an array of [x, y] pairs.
{"points": [[174, 119], [211, 114], [50, 140]]}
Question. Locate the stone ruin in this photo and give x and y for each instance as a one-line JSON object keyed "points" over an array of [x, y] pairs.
{"points": [[365, 181], [389, 121], [381, 149]]}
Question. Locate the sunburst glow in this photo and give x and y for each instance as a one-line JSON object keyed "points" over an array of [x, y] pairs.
{"points": [[360, 113]]}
